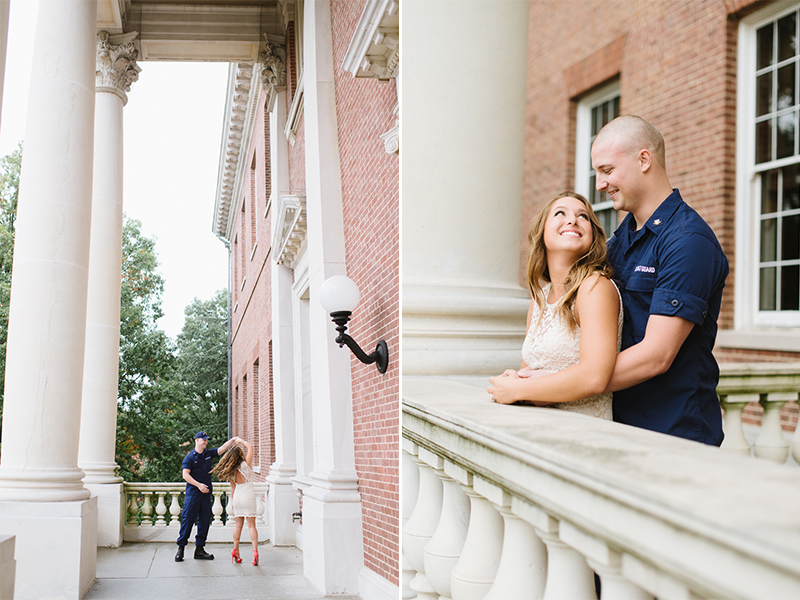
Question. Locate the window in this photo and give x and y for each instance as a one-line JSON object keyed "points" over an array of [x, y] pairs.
{"points": [[768, 157], [594, 111]]}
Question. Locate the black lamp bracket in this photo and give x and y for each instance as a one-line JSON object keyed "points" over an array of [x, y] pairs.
{"points": [[381, 355]]}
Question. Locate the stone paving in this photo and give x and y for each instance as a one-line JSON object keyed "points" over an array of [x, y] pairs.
{"points": [[138, 571]]}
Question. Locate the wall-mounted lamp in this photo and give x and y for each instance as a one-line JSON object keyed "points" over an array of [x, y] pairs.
{"points": [[339, 296]]}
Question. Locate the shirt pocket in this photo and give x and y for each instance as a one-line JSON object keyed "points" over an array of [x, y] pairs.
{"points": [[642, 282]]}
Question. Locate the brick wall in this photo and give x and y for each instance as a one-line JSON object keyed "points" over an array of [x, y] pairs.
{"points": [[251, 326], [676, 64], [370, 197]]}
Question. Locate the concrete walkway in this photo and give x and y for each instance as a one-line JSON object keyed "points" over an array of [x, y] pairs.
{"points": [[140, 570]]}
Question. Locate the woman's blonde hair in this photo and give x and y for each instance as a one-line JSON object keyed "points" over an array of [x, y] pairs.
{"points": [[594, 261], [229, 463]]}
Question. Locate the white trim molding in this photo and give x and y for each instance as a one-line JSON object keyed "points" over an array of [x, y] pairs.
{"points": [[374, 49], [291, 230], [295, 112]]}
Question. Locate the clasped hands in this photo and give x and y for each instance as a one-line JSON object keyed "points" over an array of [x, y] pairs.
{"points": [[505, 388]]}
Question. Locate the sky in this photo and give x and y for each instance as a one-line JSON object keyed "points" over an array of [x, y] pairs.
{"points": [[172, 136]]}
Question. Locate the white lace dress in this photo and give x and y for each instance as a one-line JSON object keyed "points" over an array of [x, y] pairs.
{"points": [[553, 347], [244, 498]]}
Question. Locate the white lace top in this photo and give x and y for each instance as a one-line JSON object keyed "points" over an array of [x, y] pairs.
{"points": [[552, 347], [244, 498]]}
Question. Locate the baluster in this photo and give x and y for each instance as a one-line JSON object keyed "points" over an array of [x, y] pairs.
{"points": [[147, 508], [260, 509], [771, 444], [174, 510], [161, 510], [614, 585], [133, 509], [410, 491], [216, 510], [421, 526], [474, 573], [796, 439], [523, 563], [568, 575], [442, 551], [732, 421]]}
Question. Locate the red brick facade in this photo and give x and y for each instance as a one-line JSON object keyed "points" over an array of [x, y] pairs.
{"points": [[370, 198], [251, 327]]}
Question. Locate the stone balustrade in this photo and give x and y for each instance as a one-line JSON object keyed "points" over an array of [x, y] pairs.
{"points": [[771, 385], [154, 513], [524, 502]]}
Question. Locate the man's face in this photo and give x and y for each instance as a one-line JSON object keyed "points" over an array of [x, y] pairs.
{"points": [[200, 444], [618, 172]]}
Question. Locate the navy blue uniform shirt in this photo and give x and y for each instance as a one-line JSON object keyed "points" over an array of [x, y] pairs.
{"points": [[673, 266], [200, 466]]}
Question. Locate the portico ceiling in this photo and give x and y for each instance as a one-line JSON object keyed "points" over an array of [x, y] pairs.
{"points": [[195, 30]]}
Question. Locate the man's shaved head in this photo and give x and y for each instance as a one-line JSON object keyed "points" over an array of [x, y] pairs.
{"points": [[636, 134]]}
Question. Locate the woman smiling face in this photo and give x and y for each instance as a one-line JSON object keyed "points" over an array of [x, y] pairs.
{"points": [[568, 227]]}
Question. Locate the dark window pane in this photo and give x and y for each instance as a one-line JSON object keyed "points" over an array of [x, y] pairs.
{"points": [[790, 246], [766, 291], [616, 107], [769, 192], [786, 97], [791, 187], [595, 127], [764, 94], [769, 239], [592, 183], [763, 141], [787, 42], [785, 135], [764, 47], [790, 288]]}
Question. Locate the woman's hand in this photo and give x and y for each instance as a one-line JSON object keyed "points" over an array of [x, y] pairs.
{"points": [[503, 387]]}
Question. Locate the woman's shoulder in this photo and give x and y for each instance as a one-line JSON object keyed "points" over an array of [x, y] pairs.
{"points": [[598, 285]]}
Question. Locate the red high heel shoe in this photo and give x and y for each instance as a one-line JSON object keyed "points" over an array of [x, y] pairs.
{"points": [[235, 556], [255, 558]]}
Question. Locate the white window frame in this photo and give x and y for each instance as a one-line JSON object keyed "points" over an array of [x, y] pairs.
{"points": [[583, 127], [748, 183]]}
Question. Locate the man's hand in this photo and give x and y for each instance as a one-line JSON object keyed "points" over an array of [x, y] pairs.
{"points": [[202, 487]]}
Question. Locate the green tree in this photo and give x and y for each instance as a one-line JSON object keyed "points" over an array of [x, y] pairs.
{"points": [[149, 392], [10, 167], [203, 366]]}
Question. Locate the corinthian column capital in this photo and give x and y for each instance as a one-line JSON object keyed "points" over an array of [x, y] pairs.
{"points": [[116, 62], [273, 70]]}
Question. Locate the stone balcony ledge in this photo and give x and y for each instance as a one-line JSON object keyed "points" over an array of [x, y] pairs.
{"points": [[675, 518]]}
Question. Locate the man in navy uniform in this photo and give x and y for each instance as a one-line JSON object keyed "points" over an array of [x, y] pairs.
{"points": [[671, 271], [198, 498]]}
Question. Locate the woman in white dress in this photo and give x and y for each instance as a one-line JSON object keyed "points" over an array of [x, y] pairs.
{"points": [[236, 467], [575, 316]]}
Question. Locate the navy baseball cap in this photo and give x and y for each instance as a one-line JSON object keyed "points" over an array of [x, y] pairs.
{"points": [[201, 434]]}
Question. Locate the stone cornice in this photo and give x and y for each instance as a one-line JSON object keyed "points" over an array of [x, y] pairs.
{"points": [[244, 92], [116, 62], [290, 231], [374, 49]]}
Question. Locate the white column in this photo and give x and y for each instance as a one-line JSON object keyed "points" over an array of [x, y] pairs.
{"points": [[463, 309], [116, 71], [771, 443], [282, 496], [332, 534], [41, 493]]}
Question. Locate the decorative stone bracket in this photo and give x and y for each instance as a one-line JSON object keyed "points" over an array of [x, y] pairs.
{"points": [[291, 230], [273, 70]]}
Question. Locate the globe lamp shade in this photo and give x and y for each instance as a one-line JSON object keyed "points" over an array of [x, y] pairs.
{"points": [[339, 294]]}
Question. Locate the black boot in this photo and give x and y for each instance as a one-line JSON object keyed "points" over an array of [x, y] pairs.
{"points": [[179, 555], [201, 554]]}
